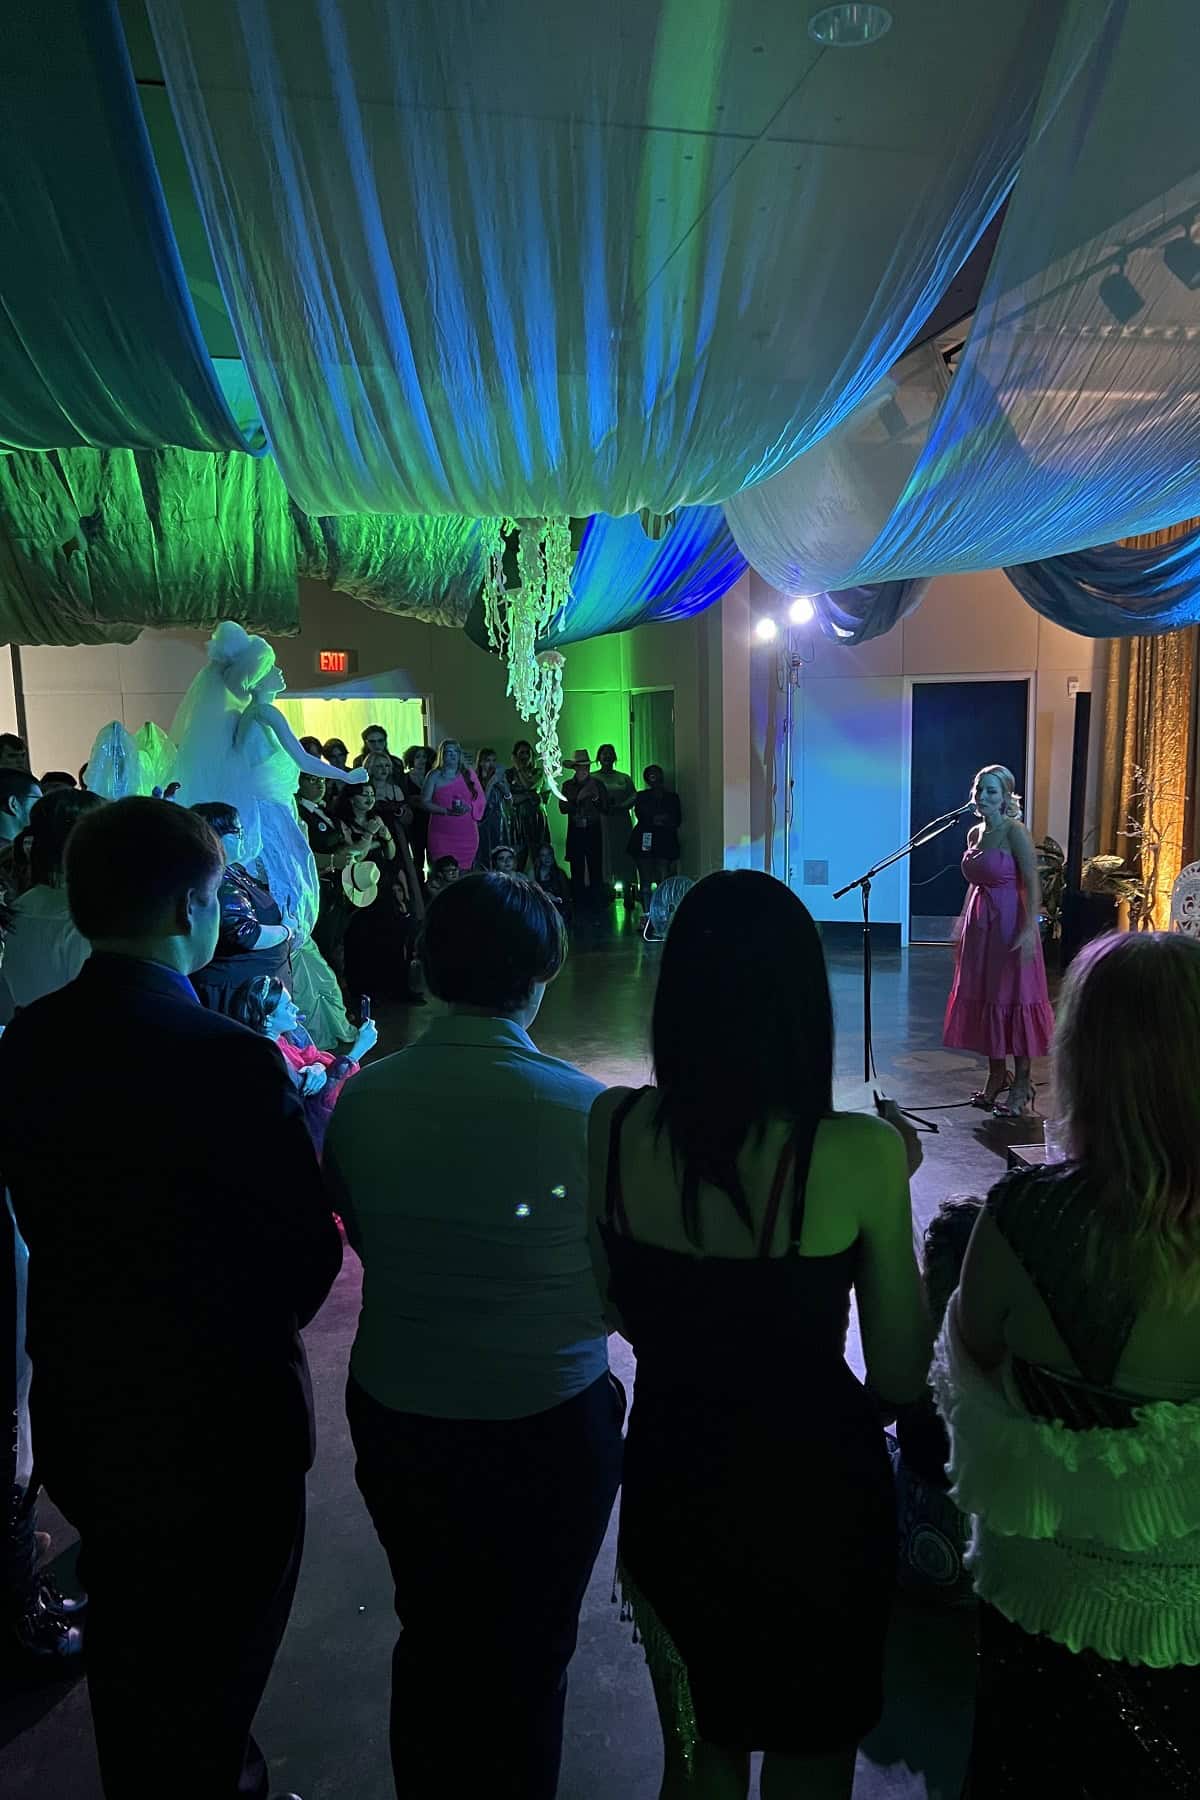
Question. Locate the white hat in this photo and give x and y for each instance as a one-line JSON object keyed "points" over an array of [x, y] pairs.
{"points": [[360, 882]]}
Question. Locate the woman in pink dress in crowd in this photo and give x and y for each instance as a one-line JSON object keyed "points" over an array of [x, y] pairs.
{"points": [[998, 1003], [454, 800]]}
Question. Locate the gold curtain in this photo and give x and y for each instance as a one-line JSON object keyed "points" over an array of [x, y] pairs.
{"points": [[1150, 726]]}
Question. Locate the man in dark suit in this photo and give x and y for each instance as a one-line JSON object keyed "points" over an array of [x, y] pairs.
{"points": [[178, 1237]]}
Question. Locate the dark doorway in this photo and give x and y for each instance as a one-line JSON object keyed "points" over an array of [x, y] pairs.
{"points": [[957, 727], [652, 732]]}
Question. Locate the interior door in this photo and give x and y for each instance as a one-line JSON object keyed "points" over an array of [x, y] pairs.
{"points": [[652, 732], [957, 727]]}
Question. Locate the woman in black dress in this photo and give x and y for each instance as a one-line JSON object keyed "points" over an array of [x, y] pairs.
{"points": [[734, 1211], [528, 794], [417, 762], [380, 936], [393, 806], [494, 826]]}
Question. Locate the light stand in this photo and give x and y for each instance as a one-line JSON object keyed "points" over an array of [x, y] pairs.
{"points": [[925, 835], [790, 664]]}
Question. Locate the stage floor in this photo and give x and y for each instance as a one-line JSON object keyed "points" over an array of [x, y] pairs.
{"points": [[324, 1721]]}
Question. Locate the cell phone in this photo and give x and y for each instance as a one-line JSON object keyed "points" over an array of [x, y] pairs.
{"points": [[364, 1009]]}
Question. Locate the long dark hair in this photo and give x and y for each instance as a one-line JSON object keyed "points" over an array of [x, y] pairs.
{"points": [[51, 823], [343, 807], [742, 1031]]}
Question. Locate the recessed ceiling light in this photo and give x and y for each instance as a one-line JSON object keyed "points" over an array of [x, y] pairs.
{"points": [[849, 27]]}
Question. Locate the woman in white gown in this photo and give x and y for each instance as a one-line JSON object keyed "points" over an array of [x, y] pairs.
{"points": [[236, 746]]}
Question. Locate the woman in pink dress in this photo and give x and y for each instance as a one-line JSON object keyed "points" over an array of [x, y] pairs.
{"points": [[454, 800], [998, 1002]]}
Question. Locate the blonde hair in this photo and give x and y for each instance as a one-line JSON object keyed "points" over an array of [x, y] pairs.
{"points": [[1011, 809], [447, 744], [1126, 1054]]}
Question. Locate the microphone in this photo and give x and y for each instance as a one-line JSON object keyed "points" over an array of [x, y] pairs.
{"points": [[945, 818]]}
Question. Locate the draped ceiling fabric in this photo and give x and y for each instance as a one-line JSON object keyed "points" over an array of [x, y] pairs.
{"points": [[622, 578], [1074, 417], [424, 568], [96, 545], [534, 261], [98, 340], [1118, 590]]}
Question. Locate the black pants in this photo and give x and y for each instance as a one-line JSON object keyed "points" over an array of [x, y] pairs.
{"points": [[585, 853], [186, 1610], [491, 1529]]}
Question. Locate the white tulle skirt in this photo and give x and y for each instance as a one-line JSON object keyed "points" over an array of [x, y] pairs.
{"points": [[287, 861]]}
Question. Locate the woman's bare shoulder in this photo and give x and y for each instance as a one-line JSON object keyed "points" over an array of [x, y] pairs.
{"points": [[607, 1103], [861, 1139]]}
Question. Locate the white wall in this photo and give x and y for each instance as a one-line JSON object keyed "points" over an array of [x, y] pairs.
{"points": [[850, 762], [72, 693], [850, 724]]}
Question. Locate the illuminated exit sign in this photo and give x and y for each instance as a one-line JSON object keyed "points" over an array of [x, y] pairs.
{"points": [[337, 662]]}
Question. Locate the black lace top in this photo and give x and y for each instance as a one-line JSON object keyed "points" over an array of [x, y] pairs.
{"points": [[1045, 1216]]}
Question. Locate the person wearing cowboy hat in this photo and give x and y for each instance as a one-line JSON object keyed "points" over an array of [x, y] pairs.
{"points": [[585, 802]]}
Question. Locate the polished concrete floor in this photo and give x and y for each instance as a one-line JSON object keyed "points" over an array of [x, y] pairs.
{"points": [[323, 1722]]}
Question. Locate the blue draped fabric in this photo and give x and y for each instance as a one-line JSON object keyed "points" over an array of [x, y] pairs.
{"points": [[98, 338], [622, 578], [1073, 418], [531, 260], [853, 615], [1116, 591], [1113, 591]]}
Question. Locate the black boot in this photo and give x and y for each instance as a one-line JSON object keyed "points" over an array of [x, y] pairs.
{"points": [[45, 1636]]}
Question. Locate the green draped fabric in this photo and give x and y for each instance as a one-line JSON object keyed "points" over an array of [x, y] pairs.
{"points": [[95, 545], [426, 568], [99, 342]]}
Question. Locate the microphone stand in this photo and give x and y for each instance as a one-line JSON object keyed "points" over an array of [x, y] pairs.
{"points": [[925, 835]]}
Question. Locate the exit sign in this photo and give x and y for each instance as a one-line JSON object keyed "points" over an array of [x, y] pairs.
{"points": [[337, 662]]}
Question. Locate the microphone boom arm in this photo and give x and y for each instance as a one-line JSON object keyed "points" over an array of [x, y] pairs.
{"points": [[925, 835]]}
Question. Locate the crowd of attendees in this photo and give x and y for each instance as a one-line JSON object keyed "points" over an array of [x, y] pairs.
{"points": [[185, 1228]]}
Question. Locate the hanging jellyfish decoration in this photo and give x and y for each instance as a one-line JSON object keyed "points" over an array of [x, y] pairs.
{"points": [[551, 664], [517, 617]]}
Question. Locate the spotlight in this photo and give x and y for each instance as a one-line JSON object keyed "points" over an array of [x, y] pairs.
{"points": [[1121, 297], [765, 630], [802, 611], [849, 27], [1182, 257]]}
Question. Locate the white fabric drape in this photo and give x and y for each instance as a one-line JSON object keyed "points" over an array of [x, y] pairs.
{"points": [[533, 260], [1074, 418]]}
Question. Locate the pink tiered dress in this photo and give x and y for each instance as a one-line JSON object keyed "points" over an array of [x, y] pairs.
{"points": [[998, 1004]]}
